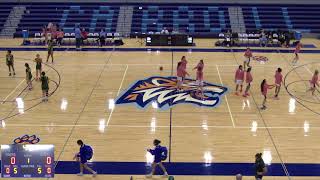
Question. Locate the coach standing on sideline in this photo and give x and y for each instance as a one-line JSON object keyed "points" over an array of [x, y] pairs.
{"points": [[78, 37], [260, 167]]}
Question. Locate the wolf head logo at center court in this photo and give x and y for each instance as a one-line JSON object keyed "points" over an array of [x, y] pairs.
{"points": [[163, 91]]}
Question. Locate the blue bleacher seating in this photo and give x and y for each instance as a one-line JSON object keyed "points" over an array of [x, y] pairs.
{"points": [[282, 17], [5, 9], [196, 19], [91, 16]]}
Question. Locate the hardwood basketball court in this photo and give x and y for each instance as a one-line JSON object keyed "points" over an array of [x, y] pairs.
{"points": [[87, 83]]}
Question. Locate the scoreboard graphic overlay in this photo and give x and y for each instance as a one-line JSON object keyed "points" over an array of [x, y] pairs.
{"points": [[27, 161]]}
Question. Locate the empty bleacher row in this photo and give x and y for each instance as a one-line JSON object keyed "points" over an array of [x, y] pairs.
{"points": [[5, 9], [282, 17], [195, 19]]}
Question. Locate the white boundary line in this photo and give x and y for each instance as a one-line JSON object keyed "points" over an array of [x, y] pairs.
{"points": [[148, 126], [13, 91], [124, 75], [222, 65], [308, 70], [232, 120]]}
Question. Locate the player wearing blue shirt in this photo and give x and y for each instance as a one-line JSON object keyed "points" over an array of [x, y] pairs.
{"points": [[83, 156], [260, 167], [102, 37], [77, 33], [160, 154]]}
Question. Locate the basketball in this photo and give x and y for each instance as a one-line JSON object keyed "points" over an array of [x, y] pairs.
{"points": [[161, 68]]}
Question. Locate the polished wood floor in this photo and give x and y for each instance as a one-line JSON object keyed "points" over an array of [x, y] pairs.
{"points": [[232, 132]]}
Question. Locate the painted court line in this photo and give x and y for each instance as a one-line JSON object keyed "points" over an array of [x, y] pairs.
{"points": [[13, 91], [225, 96], [308, 70], [124, 75], [210, 168], [212, 65], [148, 126]]}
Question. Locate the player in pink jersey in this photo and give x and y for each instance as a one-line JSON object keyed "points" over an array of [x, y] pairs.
{"points": [[181, 73], [296, 52], [184, 63], [264, 90], [247, 56], [239, 77], [314, 81], [199, 79], [278, 82], [248, 81]]}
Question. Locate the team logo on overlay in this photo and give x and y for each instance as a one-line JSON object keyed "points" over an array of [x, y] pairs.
{"points": [[26, 139], [162, 92], [260, 58]]}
